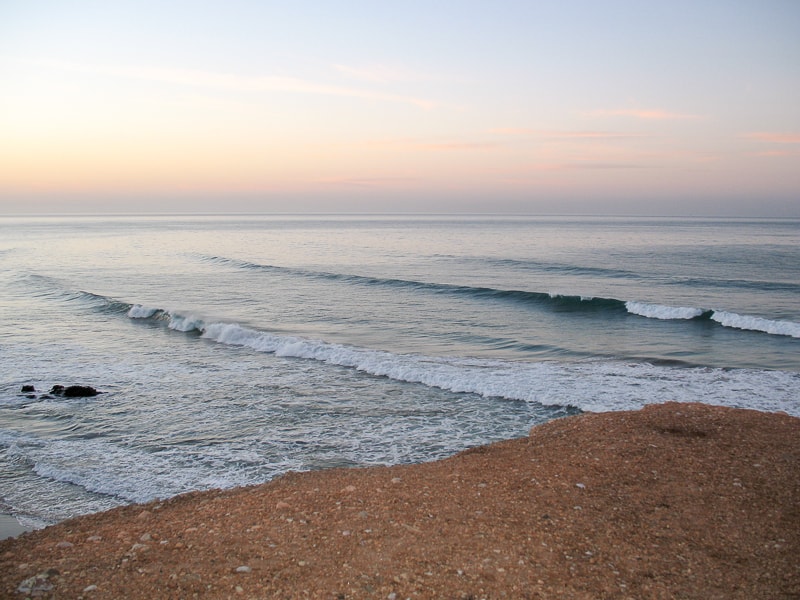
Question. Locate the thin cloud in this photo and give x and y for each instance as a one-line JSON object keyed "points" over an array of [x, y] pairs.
{"points": [[457, 146], [646, 114], [444, 145], [235, 82], [366, 182], [581, 166], [565, 135], [773, 153], [775, 138], [381, 73]]}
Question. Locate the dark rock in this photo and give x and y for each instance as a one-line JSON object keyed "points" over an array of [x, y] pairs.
{"points": [[79, 391], [28, 388], [74, 391]]}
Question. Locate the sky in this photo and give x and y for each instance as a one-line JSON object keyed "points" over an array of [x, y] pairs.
{"points": [[537, 107]]}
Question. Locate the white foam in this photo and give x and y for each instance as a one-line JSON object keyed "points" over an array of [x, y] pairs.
{"points": [[137, 311], [736, 321], [187, 323], [658, 311], [593, 385]]}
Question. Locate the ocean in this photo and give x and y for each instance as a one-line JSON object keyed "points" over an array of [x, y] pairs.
{"points": [[230, 349]]}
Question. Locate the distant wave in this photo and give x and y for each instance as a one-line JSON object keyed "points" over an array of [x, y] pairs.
{"points": [[560, 268], [52, 289], [558, 302], [554, 302], [748, 284], [48, 287]]}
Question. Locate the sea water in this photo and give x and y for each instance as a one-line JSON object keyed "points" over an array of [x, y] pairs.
{"points": [[234, 348]]}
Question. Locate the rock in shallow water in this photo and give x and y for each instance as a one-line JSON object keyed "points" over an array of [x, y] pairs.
{"points": [[74, 391]]}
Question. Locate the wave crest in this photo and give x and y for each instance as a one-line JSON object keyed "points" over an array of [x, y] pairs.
{"points": [[728, 319], [658, 311]]}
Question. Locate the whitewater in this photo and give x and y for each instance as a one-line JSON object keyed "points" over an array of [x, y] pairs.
{"points": [[233, 348]]}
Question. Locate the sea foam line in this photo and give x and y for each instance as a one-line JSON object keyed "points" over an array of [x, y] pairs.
{"points": [[592, 385]]}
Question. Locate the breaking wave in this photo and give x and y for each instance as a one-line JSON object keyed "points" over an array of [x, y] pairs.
{"points": [[589, 385]]}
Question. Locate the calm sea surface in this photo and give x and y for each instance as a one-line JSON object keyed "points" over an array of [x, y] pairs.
{"points": [[231, 349]]}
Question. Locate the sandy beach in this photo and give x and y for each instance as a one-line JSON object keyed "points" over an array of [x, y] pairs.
{"points": [[673, 501]]}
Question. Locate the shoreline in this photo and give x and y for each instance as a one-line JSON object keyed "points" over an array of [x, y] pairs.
{"points": [[10, 526], [673, 500]]}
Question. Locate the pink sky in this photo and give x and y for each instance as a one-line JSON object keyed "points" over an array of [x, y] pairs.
{"points": [[521, 108]]}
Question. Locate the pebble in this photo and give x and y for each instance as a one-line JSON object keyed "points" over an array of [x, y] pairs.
{"points": [[89, 588], [243, 569], [39, 584], [64, 544]]}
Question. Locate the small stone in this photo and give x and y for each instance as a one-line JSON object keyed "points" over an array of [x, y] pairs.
{"points": [[64, 544], [396, 480], [239, 589], [580, 485], [94, 538], [89, 588], [350, 488], [243, 569], [143, 515], [39, 584], [145, 537], [282, 505]]}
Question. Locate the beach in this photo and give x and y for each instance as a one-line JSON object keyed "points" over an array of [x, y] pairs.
{"points": [[675, 500]]}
